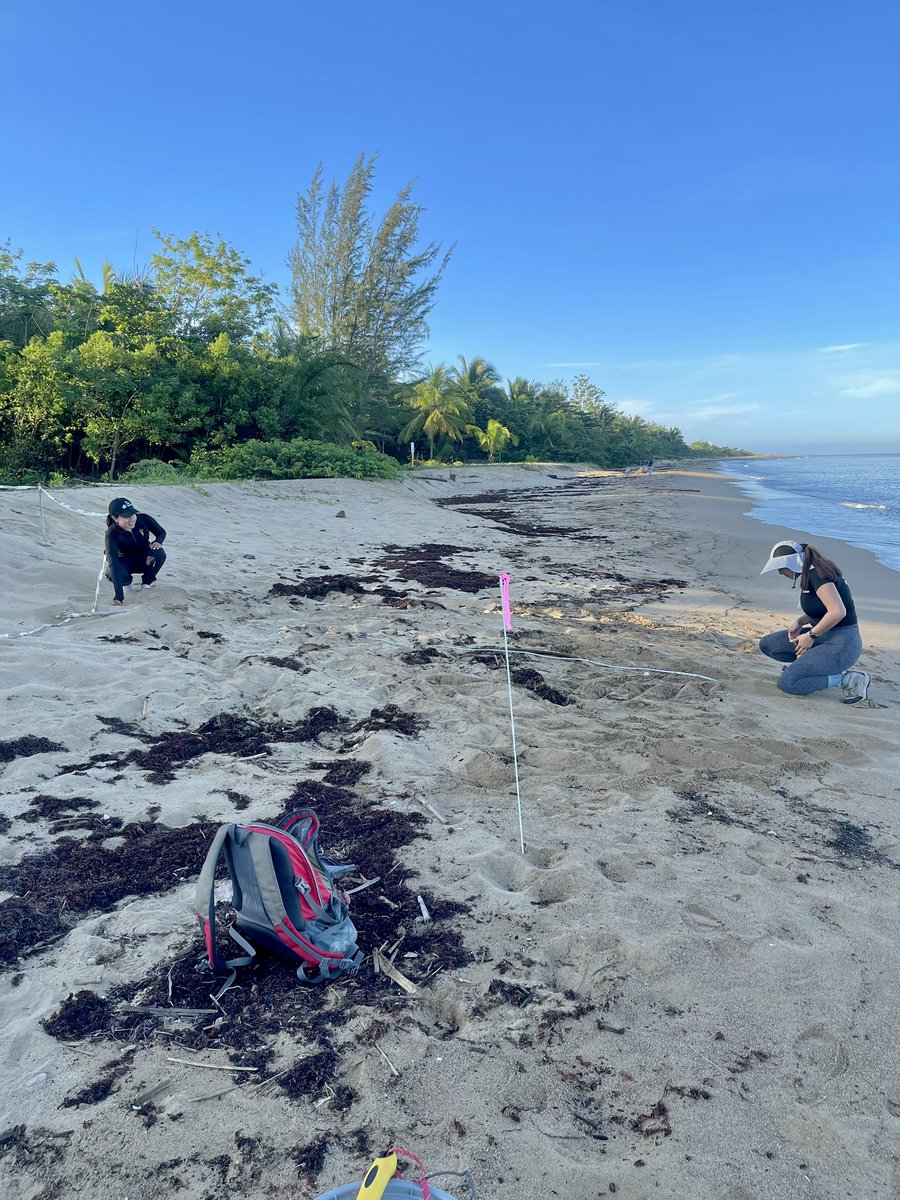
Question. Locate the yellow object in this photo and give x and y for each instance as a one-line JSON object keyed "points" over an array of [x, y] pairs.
{"points": [[378, 1176]]}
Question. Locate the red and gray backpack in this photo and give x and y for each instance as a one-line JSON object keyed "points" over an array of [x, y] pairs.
{"points": [[284, 899]]}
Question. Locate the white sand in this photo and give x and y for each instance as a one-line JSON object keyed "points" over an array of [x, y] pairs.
{"points": [[712, 987]]}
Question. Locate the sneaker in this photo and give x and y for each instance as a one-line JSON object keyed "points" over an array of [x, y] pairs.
{"points": [[146, 585], [855, 686]]}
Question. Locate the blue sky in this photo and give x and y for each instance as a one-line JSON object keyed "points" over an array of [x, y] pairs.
{"points": [[694, 204]]}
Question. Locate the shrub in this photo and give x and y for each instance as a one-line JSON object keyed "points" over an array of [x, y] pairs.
{"points": [[21, 463], [153, 470], [296, 459]]}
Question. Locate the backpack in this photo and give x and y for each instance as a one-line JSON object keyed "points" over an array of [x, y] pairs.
{"points": [[284, 899]]}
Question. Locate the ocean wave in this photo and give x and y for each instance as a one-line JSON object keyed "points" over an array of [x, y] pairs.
{"points": [[854, 504]]}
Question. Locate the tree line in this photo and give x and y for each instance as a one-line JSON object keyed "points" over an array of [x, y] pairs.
{"points": [[198, 366]]}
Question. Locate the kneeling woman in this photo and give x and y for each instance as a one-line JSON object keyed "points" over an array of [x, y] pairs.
{"points": [[133, 544], [822, 644]]}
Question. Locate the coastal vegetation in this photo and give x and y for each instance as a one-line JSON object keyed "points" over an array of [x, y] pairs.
{"points": [[196, 367]]}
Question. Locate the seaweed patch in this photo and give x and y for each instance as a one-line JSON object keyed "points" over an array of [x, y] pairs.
{"points": [[27, 747]]}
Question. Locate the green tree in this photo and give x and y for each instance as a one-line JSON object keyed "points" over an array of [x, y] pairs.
{"points": [[478, 381], [361, 286], [40, 404], [126, 397], [25, 297], [324, 388], [494, 438], [210, 289], [475, 379], [440, 410], [542, 416]]}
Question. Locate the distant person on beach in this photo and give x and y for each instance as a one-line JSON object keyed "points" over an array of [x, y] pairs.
{"points": [[133, 544], [822, 643], [649, 466]]}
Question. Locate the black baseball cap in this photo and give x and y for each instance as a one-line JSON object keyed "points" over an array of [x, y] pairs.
{"points": [[120, 507]]}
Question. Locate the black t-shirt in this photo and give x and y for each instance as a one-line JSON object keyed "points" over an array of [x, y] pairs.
{"points": [[816, 610]]}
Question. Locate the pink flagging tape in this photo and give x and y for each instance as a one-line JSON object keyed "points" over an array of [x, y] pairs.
{"points": [[504, 596]]}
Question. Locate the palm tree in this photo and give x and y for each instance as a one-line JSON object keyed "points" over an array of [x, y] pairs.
{"points": [[441, 409], [321, 386], [494, 438], [474, 378]]}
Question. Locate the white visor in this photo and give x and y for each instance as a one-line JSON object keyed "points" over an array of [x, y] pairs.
{"points": [[777, 562]]}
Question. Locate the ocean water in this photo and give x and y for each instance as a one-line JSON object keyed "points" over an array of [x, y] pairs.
{"points": [[854, 497]]}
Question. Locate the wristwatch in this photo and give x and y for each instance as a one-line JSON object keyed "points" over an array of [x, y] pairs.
{"points": [[814, 637]]}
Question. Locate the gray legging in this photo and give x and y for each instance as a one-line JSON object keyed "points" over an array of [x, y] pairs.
{"points": [[818, 668]]}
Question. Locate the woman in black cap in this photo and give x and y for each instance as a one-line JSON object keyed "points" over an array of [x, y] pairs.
{"points": [[133, 544], [823, 642]]}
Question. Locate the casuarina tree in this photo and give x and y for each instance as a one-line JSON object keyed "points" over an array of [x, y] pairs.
{"points": [[359, 284]]}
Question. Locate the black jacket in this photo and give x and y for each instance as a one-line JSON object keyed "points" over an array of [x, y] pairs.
{"points": [[127, 549]]}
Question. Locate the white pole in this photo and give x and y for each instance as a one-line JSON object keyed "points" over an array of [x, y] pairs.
{"points": [[507, 621], [102, 572], [41, 509]]}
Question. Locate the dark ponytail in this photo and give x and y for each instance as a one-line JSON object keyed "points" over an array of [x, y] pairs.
{"points": [[826, 570]]}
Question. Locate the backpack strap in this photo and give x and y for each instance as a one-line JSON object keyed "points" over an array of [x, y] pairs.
{"points": [[205, 909]]}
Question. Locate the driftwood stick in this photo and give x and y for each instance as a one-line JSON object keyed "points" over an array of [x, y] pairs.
{"points": [[215, 1000], [155, 1010], [394, 1070], [435, 812], [212, 1095], [185, 1062], [360, 887], [78, 1049], [387, 968], [145, 1097], [272, 1079], [391, 951]]}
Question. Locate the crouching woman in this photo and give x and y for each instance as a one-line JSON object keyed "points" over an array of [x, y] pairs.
{"points": [[133, 546], [824, 642]]}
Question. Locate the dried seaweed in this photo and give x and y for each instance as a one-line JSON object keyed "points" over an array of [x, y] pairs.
{"points": [[27, 747]]}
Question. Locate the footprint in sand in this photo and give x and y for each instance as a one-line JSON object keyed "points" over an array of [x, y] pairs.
{"points": [[588, 963], [508, 873], [487, 771], [616, 870], [544, 858], [442, 1016], [531, 877], [554, 888], [701, 919], [821, 1057]]}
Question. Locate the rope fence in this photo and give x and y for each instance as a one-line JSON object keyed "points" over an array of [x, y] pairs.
{"points": [[82, 512]]}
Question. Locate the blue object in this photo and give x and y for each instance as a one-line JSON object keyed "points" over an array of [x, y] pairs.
{"points": [[397, 1189]]}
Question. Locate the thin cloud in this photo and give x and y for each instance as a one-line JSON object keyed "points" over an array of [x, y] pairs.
{"points": [[646, 364], [635, 408], [879, 385], [723, 410], [843, 349]]}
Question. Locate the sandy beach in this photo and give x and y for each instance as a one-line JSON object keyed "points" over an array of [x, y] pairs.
{"points": [[686, 987]]}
